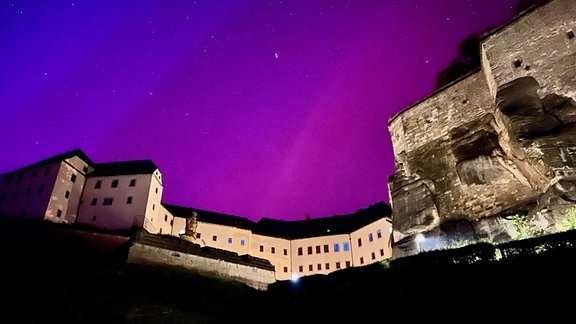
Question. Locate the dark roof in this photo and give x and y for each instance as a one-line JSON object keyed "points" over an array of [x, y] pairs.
{"points": [[58, 158], [340, 224], [210, 217], [124, 168]]}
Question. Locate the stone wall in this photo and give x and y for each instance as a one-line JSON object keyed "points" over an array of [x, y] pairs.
{"points": [[498, 141], [258, 278]]}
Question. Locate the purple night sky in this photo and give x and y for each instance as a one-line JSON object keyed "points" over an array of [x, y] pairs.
{"points": [[252, 108]]}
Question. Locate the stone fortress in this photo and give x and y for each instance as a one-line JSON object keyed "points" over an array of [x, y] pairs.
{"points": [[499, 141]]}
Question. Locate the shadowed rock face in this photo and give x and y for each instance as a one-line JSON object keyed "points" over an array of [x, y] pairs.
{"points": [[499, 141]]}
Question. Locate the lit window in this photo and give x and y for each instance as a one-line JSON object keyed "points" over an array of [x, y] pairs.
{"points": [[346, 246], [115, 183], [229, 240], [379, 233], [370, 237], [242, 242], [132, 182], [129, 200], [336, 247]]}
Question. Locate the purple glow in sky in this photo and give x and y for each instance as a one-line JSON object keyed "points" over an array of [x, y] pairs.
{"points": [[252, 108]]}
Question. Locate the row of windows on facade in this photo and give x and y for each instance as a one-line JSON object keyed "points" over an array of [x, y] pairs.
{"points": [[319, 249], [337, 264], [152, 219], [28, 192], [114, 184], [8, 179]]}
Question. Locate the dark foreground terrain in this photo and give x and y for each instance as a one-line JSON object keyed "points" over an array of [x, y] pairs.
{"points": [[39, 286]]}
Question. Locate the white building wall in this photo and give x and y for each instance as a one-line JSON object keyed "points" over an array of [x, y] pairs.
{"points": [[276, 250], [371, 243], [320, 255], [152, 217], [223, 237], [120, 214]]}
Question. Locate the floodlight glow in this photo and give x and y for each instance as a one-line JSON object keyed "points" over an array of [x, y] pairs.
{"points": [[294, 277]]}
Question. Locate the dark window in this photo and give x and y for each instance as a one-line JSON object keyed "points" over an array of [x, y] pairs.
{"points": [[373, 255], [41, 188], [319, 266], [132, 182], [67, 194], [310, 267], [129, 200], [165, 218], [98, 184], [73, 178], [347, 264], [93, 218], [8, 179], [107, 201], [28, 190], [327, 265], [273, 250], [285, 251], [115, 183], [359, 242], [1, 198], [85, 168], [14, 194], [381, 252], [153, 206], [94, 202], [317, 249], [361, 260], [379, 233], [58, 213], [197, 235], [261, 248], [299, 251], [517, 63], [285, 269], [46, 171], [309, 250], [34, 173], [570, 34], [326, 250], [20, 177], [156, 190], [214, 238], [171, 222], [301, 268], [337, 265]]}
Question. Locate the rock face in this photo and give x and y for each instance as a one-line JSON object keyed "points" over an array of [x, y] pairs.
{"points": [[499, 141]]}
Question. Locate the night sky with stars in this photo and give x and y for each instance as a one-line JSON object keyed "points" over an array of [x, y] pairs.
{"points": [[272, 109]]}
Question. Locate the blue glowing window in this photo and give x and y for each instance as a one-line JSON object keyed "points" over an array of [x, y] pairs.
{"points": [[229, 240], [336, 247], [370, 237], [242, 242], [346, 246]]}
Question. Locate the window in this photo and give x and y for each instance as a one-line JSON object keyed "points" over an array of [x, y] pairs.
{"points": [[370, 237], [361, 260], [171, 222], [1, 198], [317, 249], [14, 194], [197, 235], [285, 251], [133, 183], [73, 178], [359, 242], [272, 250], [570, 34], [346, 246], [34, 173], [46, 171], [327, 266], [59, 213], [165, 217], [28, 190], [85, 168], [153, 206], [309, 250], [129, 200], [115, 183], [93, 218], [373, 255], [41, 188], [326, 248], [242, 242], [67, 194], [337, 265], [310, 267], [347, 264], [381, 252], [285, 269], [94, 202], [319, 266], [20, 176], [8, 179], [336, 247], [379, 233], [98, 184], [107, 201], [229, 240], [301, 268], [156, 190], [261, 248], [214, 238], [299, 251]]}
